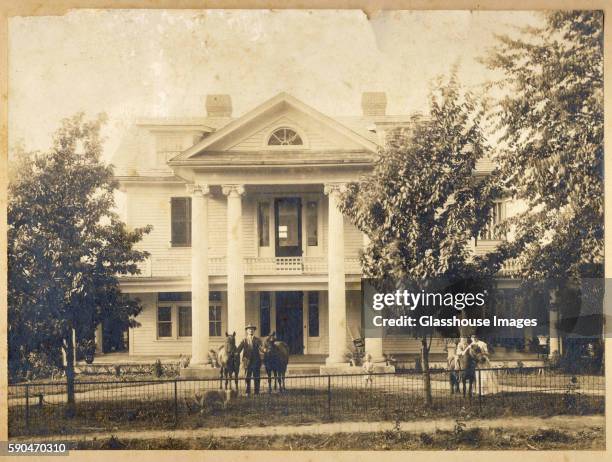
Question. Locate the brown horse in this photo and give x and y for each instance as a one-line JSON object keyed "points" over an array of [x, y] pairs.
{"points": [[468, 363], [229, 360], [276, 358]]}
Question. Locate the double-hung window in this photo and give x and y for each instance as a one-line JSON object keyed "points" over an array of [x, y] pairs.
{"points": [[215, 307], [173, 315]]}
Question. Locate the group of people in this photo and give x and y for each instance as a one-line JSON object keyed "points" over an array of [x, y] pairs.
{"points": [[248, 356], [478, 350]]}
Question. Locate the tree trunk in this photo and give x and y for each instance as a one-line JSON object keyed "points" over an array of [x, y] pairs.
{"points": [[70, 402], [426, 374]]}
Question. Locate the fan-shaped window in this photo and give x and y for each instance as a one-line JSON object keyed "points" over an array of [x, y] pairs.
{"points": [[284, 137]]}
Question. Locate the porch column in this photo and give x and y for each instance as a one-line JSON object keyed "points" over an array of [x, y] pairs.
{"points": [[336, 277], [373, 345], [199, 274], [553, 318], [236, 317], [98, 339]]}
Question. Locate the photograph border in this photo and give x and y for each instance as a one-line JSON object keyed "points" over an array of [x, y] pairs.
{"points": [[12, 8]]}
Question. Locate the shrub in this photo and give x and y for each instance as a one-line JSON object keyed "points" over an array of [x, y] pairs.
{"points": [[158, 369]]}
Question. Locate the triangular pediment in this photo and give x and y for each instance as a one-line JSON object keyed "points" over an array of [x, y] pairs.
{"points": [[251, 132]]}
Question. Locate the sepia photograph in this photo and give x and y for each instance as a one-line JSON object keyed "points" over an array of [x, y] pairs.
{"points": [[305, 230]]}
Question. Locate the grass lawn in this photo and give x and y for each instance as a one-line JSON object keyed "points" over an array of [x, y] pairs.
{"points": [[592, 438], [293, 407]]}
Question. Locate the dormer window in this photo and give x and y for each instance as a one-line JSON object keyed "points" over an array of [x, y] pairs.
{"points": [[285, 137]]}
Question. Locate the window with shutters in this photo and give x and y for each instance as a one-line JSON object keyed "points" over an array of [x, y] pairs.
{"points": [[180, 221]]}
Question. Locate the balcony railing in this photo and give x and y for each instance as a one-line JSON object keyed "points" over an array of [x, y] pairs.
{"points": [[181, 266], [267, 266], [510, 268]]}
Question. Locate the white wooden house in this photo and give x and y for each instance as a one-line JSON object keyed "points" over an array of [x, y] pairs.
{"points": [[246, 227]]}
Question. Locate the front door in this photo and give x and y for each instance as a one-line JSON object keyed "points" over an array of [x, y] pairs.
{"points": [[289, 321], [288, 218]]}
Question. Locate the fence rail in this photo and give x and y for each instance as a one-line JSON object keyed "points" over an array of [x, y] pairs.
{"points": [[43, 409]]}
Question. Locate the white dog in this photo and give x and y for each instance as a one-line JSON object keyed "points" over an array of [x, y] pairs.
{"points": [[213, 400]]}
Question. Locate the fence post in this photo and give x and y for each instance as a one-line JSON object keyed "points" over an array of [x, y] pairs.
{"points": [[329, 396], [175, 403], [479, 390], [27, 408]]}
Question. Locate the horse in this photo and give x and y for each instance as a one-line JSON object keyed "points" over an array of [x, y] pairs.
{"points": [[229, 360], [276, 358], [468, 362]]}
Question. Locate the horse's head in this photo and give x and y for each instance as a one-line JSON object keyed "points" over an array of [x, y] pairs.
{"points": [[268, 343], [230, 343]]}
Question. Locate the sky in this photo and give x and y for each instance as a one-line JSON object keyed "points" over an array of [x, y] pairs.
{"points": [[161, 63]]}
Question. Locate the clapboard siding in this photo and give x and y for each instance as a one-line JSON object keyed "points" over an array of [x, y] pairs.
{"points": [[353, 239], [150, 205], [217, 226], [408, 345], [249, 224]]}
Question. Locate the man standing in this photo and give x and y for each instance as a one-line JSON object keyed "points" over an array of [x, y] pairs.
{"points": [[251, 358]]}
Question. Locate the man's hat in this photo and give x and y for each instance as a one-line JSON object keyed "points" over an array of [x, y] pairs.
{"points": [[250, 326]]}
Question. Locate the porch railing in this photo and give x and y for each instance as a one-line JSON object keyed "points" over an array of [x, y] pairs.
{"points": [[217, 266]]}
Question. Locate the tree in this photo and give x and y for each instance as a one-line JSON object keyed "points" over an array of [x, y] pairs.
{"points": [[422, 204], [551, 156], [66, 247]]}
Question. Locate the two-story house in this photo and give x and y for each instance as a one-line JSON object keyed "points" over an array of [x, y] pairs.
{"points": [[246, 227]]}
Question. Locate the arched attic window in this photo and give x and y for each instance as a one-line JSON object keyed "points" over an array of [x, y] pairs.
{"points": [[285, 137]]}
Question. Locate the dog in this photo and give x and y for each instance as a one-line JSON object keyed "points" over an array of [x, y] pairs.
{"points": [[213, 401]]}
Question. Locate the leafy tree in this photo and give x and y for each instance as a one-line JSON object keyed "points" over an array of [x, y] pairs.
{"points": [[422, 204], [66, 247], [551, 152], [551, 158]]}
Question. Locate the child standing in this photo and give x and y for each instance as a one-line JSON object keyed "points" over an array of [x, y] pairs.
{"points": [[368, 369]]}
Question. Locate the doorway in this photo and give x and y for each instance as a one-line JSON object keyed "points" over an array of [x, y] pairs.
{"points": [[288, 229], [290, 320]]}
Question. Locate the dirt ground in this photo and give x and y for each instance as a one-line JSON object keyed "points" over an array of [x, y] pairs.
{"points": [[529, 433]]}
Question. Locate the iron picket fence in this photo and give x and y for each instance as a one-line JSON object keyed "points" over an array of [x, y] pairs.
{"points": [[42, 408]]}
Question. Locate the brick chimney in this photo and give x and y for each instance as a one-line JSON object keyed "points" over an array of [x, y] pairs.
{"points": [[218, 105], [374, 103]]}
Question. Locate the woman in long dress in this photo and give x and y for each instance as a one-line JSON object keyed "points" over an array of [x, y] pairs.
{"points": [[488, 377]]}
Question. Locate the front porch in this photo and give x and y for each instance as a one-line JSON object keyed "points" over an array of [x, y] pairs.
{"points": [[308, 364]]}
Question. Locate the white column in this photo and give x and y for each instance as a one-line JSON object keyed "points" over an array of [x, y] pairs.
{"points": [[98, 339], [553, 318], [236, 318], [373, 345], [199, 274], [336, 277]]}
